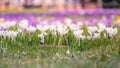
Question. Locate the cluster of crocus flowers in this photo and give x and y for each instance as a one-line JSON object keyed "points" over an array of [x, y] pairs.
{"points": [[8, 34], [57, 31]]}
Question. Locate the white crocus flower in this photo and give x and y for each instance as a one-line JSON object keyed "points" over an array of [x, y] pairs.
{"points": [[45, 27], [14, 34], [89, 37], [39, 27], [7, 24], [45, 22], [4, 34], [2, 25], [62, 30], [96, 35], [111, 31], [1, 33], [80, 23], [42, 28], [23, 24], [12, 23], [101, 27], [83, 37], [68, 21], [52, 27], [31, 29], [9, 34], [42, 35], [78, 34], [73, 27], [92, 29], [57, 23], [20, 30]]}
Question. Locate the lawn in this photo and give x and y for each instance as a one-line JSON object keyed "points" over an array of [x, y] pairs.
{"points": [[27, 41], [105, 54], [27, 51]]}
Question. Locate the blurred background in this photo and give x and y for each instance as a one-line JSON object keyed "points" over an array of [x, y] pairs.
{"points": [[58, 5]]}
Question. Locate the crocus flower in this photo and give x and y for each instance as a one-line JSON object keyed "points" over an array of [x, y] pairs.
{"points": [[23, 24], [31, 29], [111, 31], [9, 34], [62, 30], [78, 34], [101, 27], [92, 29]]}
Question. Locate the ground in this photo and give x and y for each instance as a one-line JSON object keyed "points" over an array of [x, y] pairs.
{"points": [[102, 53]]}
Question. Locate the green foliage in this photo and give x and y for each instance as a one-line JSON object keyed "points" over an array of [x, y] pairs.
{"points": [[26, 51]]}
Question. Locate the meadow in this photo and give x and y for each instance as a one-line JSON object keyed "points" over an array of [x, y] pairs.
{"points": [[58, 43]]}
